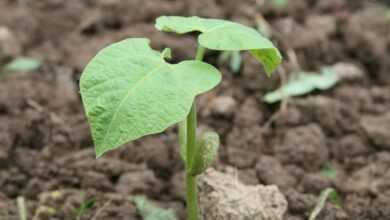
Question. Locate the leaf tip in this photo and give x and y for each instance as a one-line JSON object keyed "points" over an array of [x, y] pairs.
{"points": [[160, 21], [166, 53], [99, 152]]}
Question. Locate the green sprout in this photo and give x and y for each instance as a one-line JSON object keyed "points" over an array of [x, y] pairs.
{"points": [[84, 207], [302, 83], [333, 196], [22, 64], [149, 211], [129, 90], [233, 58]]}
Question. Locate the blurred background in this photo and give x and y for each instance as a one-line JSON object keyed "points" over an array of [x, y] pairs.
{"points": [[322, 120]]}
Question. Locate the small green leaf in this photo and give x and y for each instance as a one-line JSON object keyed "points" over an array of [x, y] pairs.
{"points": [[22, 64], [84, 207], [279, 3], [206, 152], [329, 171], [335, 198], [226, 36], [166, 53], [129, 91], [150, 212], [328, 192], [303, 83]]}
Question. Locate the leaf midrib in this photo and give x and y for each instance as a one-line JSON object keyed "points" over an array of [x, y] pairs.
{"points": [[127, 96]]}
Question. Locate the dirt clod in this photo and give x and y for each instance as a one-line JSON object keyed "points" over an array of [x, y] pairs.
{"points": [[224, 197], [378, 129], [305, 146], [223, 105]]}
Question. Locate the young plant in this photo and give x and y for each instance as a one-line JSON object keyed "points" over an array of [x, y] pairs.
{"points": [[129, 90]]}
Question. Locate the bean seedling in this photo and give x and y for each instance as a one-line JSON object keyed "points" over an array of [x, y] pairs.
{"points": [[129, 90]]}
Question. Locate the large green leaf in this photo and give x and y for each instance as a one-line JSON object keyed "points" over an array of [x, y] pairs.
{"points": [[225, 35], [130, 91]]}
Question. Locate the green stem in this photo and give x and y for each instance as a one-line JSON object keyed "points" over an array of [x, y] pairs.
{"points": [[183, 139], [191, 183]]}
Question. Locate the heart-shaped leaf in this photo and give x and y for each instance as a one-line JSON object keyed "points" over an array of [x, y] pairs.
{"points": [[130, 91], [225, 35]]}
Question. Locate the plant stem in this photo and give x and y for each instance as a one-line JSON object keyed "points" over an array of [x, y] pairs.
{"points": [[191, 182], [21, 204]]}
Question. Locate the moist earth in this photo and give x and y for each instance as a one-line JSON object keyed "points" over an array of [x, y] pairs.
{"points": [[46, 151]]}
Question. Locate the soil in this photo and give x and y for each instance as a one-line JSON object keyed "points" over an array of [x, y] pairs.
{"points": [[46, 151]]}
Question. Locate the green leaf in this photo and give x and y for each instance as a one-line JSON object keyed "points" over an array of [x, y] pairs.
{"points": [[206, 152], [129, 91], [329, 171], [22, 64], [226, 36], [166, 53], [303, 83], [84, 207], [150, 212], [279, 3]]}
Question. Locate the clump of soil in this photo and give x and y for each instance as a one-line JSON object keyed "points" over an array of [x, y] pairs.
{"points": [[224, 197]]}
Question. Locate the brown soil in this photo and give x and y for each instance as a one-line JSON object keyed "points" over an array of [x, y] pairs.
{"points": [[46, 152]]}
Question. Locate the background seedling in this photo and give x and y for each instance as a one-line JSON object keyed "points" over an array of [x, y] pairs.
{"points": [[129, 90], [148, 211], [325, 194], [329, 171], [302, 83], [233, 59], [84, 207], [279, 3], [22, 64], [22, 210]]}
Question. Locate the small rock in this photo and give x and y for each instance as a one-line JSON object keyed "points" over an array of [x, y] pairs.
{"points": [[305, 146], [249, 113], [270, 171], [315, 183], [326, 24], [224, 197], [245, 146], [377, 129], [96, 180], [223, 105], [350, 146], [138, 182]]}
